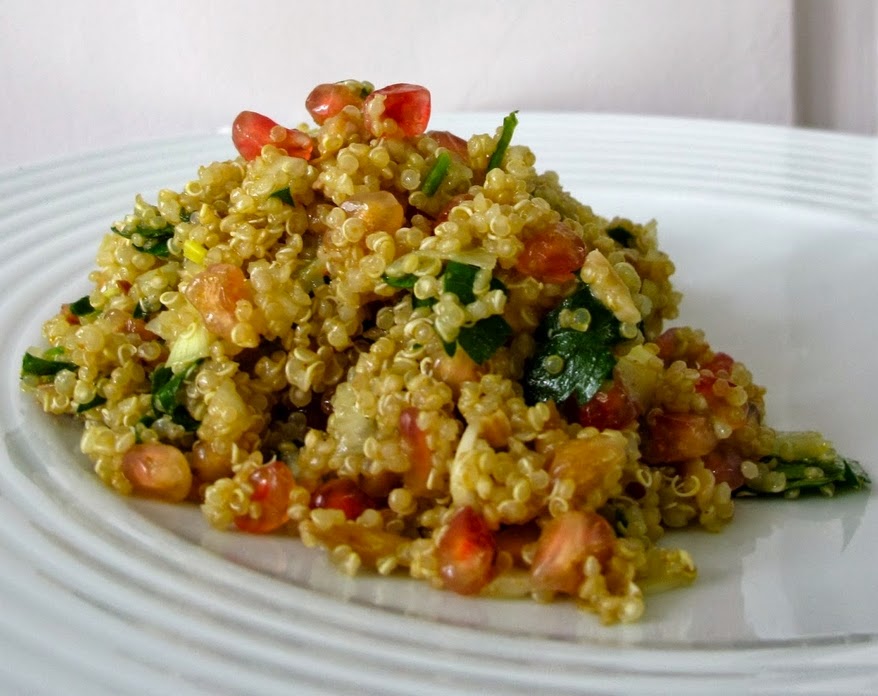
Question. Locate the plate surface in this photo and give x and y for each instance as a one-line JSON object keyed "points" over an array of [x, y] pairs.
{"points": [[775, 236]]}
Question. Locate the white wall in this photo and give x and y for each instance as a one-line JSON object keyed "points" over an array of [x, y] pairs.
{"points": [[75, 76]]}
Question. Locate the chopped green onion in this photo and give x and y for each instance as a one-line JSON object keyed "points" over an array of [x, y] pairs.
{"points": [[81, 307], [509, 124], [155, 240], [437, 173], [406, 282], [40, 367], [94, 403]]}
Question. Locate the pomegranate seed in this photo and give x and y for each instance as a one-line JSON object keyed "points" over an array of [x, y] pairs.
{"points": [[466, 552], [564, 545], [251, 132], [342, 494], [414, 444], [328, 99], [408, 105], [552, 255], [271, 484], [676, 437]]}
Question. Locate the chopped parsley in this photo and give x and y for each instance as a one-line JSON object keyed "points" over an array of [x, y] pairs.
{"points": [[166, 392], [459, 279], [283, 195], [569, 361], [155, 241], [484, 338], [82, 307], [823, 476]]}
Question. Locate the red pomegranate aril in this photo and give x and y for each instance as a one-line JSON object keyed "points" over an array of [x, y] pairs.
{"points": [[414, 444], [725, 465], [451, 142], [610, 408], [552, 255], [328, 99], [342, 494], [272, 484], [466, 552], [408, 105], [564, 545], [252, 131], [676, 437]]}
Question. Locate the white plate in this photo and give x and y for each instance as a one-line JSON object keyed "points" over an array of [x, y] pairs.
{"points": [[775, 236]]}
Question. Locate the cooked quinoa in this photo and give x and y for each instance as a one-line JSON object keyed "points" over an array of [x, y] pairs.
{"points": [[419, 352]]}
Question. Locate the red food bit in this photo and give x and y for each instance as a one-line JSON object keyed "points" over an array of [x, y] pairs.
{"points": [[124, 286], [342, 494], [271, 484], [215, 293], [451, 142], [328, 99], [251, 132], [564, 545], [514, 538], [731, 415], [725, 464], [69, 316], [551, 255], [451, 205], [138, 326], [676, 437], [721, 362], [610, 408], [408, 105], [466, 552], [414, 444], [667, 345]]}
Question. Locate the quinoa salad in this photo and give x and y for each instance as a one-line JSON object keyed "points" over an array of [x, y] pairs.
{"points": [[416, 350]]}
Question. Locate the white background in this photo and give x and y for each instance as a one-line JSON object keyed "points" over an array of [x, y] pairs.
{"points": [[90, 74]]}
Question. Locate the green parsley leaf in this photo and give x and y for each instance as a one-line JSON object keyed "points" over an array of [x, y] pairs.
{"points": [[166, 387], [587, 356], [81, 307], [458, 279], [824, 476], [482, 339], [283, 195]]}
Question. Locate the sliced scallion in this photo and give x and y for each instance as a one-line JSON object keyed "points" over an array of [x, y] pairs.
{"points": [[437, 173], [509, 124]]}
